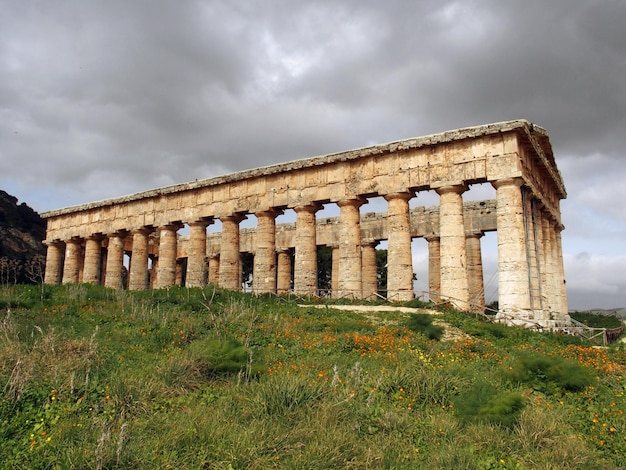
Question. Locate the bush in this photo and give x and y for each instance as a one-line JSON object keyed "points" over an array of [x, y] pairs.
{"points": [[483, 403], [550, 374], [597, 321], [216, 357], [423, 323], [284, 394]]}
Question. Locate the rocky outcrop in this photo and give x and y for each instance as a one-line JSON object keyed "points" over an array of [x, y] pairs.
{"points": [[21, 233]]}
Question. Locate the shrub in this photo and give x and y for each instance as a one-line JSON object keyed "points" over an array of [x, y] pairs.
{"points": [[287, 393], [423, 323], [596, 321], [215, 356], [483, 403], [550, 374], [417, 303]]}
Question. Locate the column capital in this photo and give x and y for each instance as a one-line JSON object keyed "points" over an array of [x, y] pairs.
{"points": [[399, 195], [171, 226], [355, 202], [368, 242], [474, 234], [236, 217], [272, 212], [96, 236], [519, 182], [310, 208], [432, 237], [451, 188], [142, 230], [123, 233], [202, 222]]}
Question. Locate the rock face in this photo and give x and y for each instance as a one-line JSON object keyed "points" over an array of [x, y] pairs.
{"points": [[21, 233]]}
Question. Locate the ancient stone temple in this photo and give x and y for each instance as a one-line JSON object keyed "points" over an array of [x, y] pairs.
{"points": [[89, 243]]}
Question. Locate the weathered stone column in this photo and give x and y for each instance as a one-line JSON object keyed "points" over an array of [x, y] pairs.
{"points": [[399, 257], [350, 275], [370, 279], [513, 284], [73, 259], [54, 262], [153, 270], [547, 263], [166, 264], [454, 287], [560, 276], [115, 261], [264, 269], [93, 256], [283, 277], [534, 279], [305, 264], [214, 269], [434, 268], [180, 272], [334, 276], [230, 258], [475, 281], [196, 254], [138, 274]]}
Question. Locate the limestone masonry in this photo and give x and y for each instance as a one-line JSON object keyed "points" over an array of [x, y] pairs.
{"points": [[88, 243]]}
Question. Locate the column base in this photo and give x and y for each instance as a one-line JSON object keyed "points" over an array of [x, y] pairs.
{"points": [[539, 320]]}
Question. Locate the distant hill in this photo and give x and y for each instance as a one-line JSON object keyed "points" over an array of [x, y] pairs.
{"points": [[21, 233]]}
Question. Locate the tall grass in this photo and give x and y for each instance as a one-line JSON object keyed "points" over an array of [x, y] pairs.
{"points": [[191, 378]]}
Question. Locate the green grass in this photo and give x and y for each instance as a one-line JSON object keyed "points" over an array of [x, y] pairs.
{"points": [[597, 321], [190, 378]]}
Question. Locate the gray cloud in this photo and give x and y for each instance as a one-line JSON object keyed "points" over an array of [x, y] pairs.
{"points": [[104, 98]]}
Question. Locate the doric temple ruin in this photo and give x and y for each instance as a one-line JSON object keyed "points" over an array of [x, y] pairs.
{"points": [[88, 243]]}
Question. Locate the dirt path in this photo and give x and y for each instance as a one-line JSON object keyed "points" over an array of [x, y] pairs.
{"points": [[374, 308]]}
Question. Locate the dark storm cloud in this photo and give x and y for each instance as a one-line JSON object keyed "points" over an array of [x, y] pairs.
{"points": [[104, 98]]}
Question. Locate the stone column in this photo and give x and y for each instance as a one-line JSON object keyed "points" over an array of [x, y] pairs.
{"points": [[180, 271], [166, 264], [547, 263], [138, 274], [350, 275], [555, 281], [454, 287], [214, 269], [196, 254], [230, 258], [475, 281], [370, 279], [71, 267], [115, 261], [54, 262], [153, 270], [534, 279], [305, 265], [264, 269], [560, 276], [513, 283], [283, 281], [334, 277], [93, 259], [399, 257], [434, 268]]}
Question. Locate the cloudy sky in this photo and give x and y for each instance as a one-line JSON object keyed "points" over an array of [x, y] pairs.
{"points": [[104, 98]]}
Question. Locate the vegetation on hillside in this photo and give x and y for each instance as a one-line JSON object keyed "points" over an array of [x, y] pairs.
{"points": [[190, 378], [21, 249]]}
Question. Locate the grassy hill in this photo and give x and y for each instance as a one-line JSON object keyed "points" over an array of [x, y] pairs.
{"points": [[190, 378]]}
